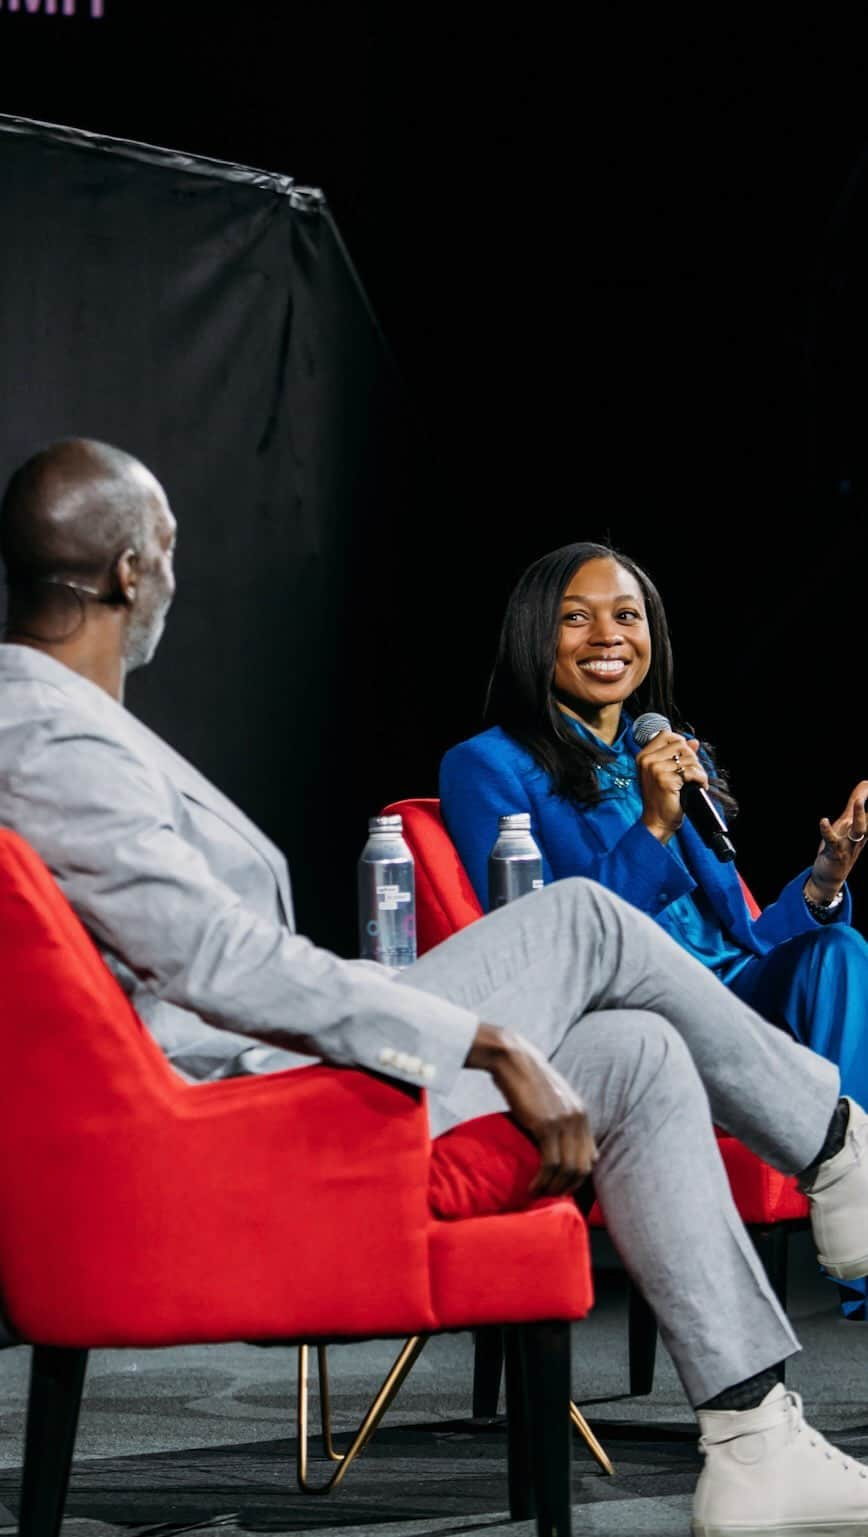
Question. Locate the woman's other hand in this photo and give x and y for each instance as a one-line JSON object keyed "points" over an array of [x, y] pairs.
{"points": [[667, 764], [841, 843]]}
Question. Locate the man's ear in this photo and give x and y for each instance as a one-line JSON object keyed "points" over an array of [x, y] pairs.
{"points": [[126, 576]]}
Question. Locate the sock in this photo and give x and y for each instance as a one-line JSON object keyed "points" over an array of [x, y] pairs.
{"points": [[835, 1137], [747, 1394]]}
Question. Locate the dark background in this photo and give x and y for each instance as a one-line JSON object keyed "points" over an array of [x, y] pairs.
{"points": [[621, 265]]}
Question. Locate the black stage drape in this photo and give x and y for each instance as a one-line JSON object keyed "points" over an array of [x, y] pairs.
{"points": [[206, 318]]}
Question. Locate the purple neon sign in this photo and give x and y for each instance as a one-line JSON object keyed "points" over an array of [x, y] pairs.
{"points": [[93, 10]]}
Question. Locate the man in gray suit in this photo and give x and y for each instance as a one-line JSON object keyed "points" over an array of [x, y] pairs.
{"points": [[612, 1048]]}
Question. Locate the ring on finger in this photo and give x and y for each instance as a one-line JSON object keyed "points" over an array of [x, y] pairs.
{"points": [[860, 839], [680, 772], [676, 757]]}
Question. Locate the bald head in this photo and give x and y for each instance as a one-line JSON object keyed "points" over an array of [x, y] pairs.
{"points": [[86, 537], [71, 511]]}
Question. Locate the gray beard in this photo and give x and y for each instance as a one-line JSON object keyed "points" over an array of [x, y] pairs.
{"points": [[143, 639]]}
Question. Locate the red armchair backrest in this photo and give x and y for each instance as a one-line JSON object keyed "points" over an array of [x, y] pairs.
{"points": [[445, 899], [68, 1028], [138, 1208]]}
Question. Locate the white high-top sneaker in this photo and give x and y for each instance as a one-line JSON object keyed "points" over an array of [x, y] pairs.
{"points": [[838, 1194], [768, 1474]]}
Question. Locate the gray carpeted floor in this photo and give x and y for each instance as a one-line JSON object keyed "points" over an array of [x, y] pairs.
{"points": [[203, 1439]]}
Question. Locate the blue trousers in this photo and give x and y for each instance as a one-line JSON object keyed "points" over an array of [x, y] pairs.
{"points": [[816, 987]]}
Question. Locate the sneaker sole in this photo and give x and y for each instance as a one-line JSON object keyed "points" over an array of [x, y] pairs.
{"points": [[847, 1528], [847, 1270]]}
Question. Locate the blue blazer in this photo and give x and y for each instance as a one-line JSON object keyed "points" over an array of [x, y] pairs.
{"points": [[490, 775]]}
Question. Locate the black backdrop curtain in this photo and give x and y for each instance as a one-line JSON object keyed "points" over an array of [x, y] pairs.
{"points": [[206, 318]]}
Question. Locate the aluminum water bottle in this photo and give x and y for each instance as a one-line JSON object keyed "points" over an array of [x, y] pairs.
{"points": [[515, 862], [387, 895]]}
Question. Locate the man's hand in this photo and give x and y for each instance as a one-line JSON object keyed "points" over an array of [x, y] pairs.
{"points": [[543, 1103]]}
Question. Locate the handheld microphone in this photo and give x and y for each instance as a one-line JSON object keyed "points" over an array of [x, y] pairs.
{"points": [[697, 803]]}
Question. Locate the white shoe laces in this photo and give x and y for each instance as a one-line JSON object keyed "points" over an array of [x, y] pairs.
{"points": [[796, 1421]]}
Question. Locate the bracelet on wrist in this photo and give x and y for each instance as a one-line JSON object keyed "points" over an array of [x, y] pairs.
{"points": [[823, 911]]}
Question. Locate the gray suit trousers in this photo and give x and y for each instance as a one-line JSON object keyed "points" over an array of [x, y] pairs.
{"points": [[659, 1051]]}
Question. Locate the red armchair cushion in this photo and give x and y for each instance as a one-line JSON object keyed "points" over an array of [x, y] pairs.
{"points": [[481, 1167], [526, 1265]]}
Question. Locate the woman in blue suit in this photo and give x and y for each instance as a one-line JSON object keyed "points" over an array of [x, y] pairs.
{"points": [[584, 650]]}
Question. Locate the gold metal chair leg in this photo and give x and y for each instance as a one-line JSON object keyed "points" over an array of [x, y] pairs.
{"points": [[399, 1371], [325, 1407], [585, 1431], [406, 1359]]}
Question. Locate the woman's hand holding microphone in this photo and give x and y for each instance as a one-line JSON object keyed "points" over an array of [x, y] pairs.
{"points": [[667, 764]]}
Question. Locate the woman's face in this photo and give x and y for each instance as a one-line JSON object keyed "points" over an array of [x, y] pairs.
{"points": [[604, 646]]}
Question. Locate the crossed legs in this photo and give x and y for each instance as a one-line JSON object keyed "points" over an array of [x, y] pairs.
{"points": [[659, 1050]]}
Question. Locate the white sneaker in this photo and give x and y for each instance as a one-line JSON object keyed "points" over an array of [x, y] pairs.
{"points": [[768, 1474], [838, 1194]]}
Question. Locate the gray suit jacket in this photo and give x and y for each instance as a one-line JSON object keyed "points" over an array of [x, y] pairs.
{"points": [[189, 902]]}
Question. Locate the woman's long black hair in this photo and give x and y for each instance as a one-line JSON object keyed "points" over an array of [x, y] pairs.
{"points": [[520, 697]]}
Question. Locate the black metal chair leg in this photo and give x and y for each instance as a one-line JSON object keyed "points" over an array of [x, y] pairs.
{"points": [[487, 1372], [642, 1336], [544, 1355], [56, 1382], [772, 1246], [521, 1495]]}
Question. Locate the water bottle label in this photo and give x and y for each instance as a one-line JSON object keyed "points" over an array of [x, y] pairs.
{"points": [[387, 918], [388, 898]]}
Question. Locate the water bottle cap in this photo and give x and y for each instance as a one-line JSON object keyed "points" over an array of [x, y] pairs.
{"points": [[516, 821], [385, 824]]}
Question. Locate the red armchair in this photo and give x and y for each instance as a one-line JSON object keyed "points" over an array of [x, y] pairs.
{"points": [[769, 1203], [139, 1210]]}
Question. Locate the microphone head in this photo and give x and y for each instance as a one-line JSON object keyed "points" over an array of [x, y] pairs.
{"points": [[646, 727]]}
